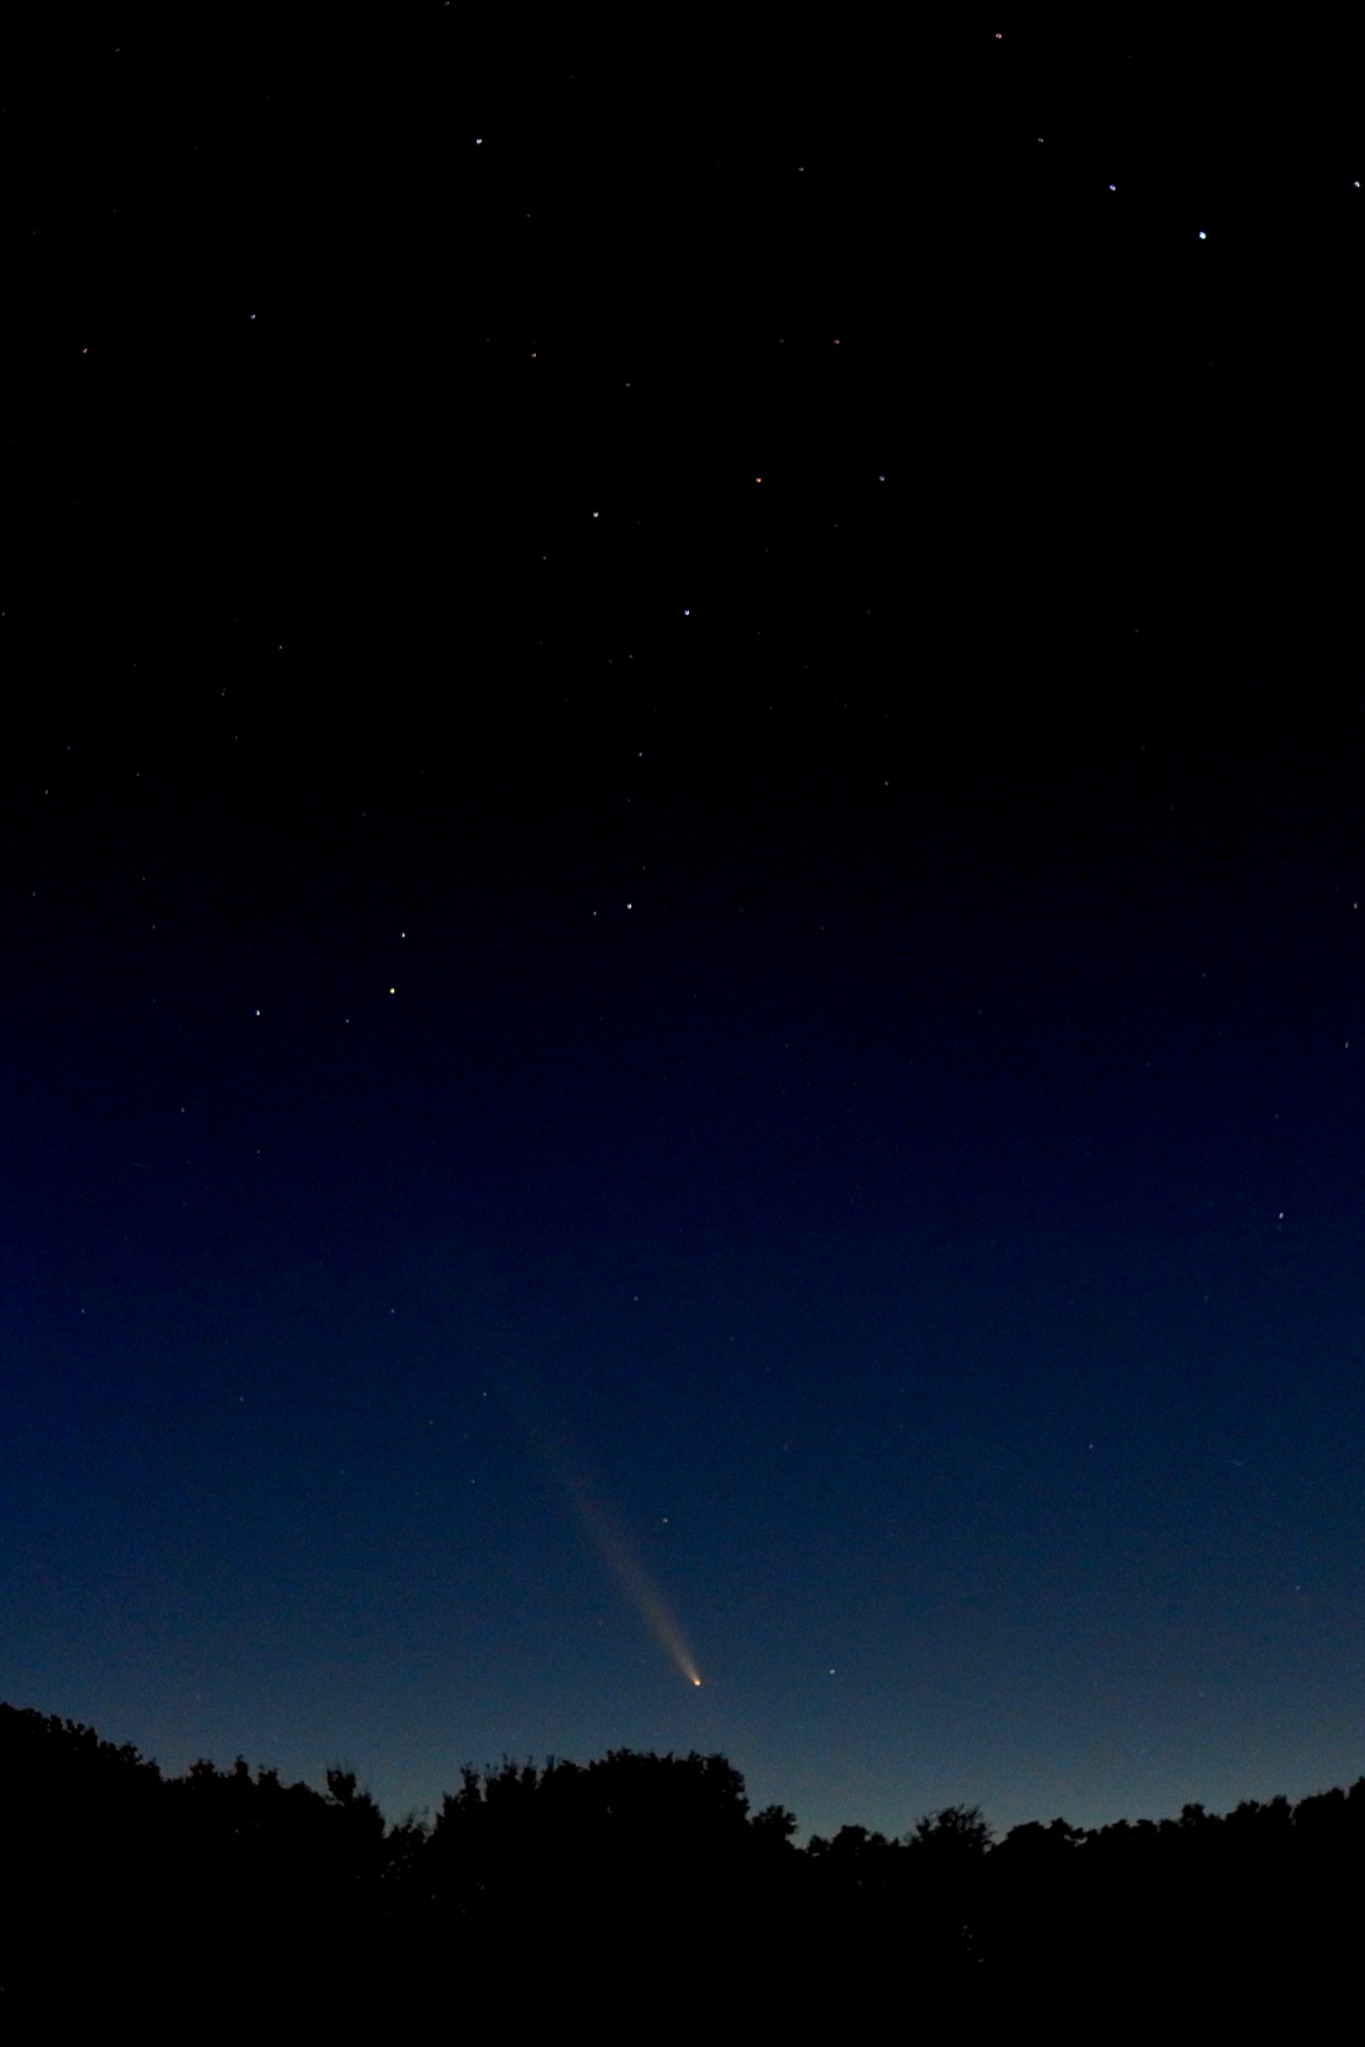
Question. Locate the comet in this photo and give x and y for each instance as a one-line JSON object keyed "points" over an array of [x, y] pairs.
{"points": [[609, 1540]]}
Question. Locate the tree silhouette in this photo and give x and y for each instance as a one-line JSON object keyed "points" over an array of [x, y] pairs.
{"points": [[956, 1832], [224, 1895]]}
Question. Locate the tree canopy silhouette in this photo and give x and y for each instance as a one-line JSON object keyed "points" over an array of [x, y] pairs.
{"points": [[225, 1892]]}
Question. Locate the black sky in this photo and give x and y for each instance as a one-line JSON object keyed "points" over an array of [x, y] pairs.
{"points": [[680, 780]]}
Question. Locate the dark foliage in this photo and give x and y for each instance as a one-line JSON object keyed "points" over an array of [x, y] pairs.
{"points": [[639, 1889]]}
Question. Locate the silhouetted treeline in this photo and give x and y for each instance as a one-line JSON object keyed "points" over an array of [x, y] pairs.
{"points": [[642, 1893]]}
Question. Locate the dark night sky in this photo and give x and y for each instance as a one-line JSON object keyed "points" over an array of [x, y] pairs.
{"points": [[680, 912]]}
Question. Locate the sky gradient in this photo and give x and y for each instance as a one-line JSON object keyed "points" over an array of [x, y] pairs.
{"points": [[682, 919]]}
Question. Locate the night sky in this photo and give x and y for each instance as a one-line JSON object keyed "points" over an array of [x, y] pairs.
{"points": [[682, 965]]}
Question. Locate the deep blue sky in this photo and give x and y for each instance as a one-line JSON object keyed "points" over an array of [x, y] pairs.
{"points": [[682, 830]]}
